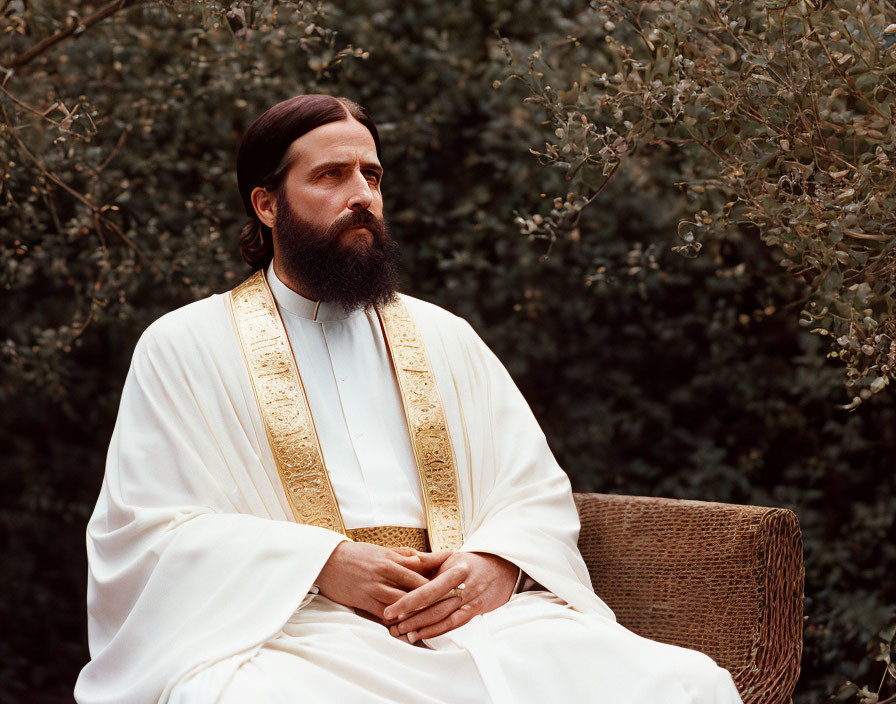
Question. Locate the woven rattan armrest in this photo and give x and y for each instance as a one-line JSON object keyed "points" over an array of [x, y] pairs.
{"points": [[723, 579]]}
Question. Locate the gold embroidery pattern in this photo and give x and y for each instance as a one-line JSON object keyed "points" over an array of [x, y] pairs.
{"points": [[284, 406], [427, 426], [391, 536]]}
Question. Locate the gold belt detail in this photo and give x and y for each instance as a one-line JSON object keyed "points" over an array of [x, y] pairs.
{"points": [[391, 537]]}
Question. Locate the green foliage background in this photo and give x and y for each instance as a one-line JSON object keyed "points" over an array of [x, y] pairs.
{"points": [[651, 373]]}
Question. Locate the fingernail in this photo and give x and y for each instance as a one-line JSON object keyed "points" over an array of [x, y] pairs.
{"points": [[412, 637]]}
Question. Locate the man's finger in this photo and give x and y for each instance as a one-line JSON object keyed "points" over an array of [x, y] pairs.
{"points": [[411, 561], [404, 551], [401, 636], [429, 593], [386, 594], [403, 577], [422, 562], [433, 560], [457, 618], [429, 616]]}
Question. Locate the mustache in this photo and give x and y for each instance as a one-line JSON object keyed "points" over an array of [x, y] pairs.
{"points": [[358, 218]]}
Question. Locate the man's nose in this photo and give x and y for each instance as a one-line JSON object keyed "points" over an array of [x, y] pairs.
{"points": [[361, 193]]}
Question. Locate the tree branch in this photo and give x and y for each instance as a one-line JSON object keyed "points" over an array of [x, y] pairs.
{"points": [[84, 198], [54, 39]]}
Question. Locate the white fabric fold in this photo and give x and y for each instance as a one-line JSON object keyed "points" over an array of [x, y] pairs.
{"points": [[186, 565], [516, 499]]}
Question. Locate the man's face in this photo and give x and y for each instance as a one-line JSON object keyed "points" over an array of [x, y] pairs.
{"points": [[329, 234], [334, 172]]}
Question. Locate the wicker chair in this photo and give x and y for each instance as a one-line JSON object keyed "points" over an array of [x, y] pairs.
{"points": [[723, 579]]}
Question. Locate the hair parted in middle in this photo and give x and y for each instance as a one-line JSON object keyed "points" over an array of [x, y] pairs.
{"points": [[264, 157]]}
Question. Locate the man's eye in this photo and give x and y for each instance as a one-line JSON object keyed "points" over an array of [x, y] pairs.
{"points": [[372, 176]]}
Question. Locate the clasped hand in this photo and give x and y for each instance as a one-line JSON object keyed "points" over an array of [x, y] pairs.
{"points": [[410, 591]]}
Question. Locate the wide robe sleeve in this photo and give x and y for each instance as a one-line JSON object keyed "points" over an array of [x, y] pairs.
{"points": [[188, 562], [520, 504]]}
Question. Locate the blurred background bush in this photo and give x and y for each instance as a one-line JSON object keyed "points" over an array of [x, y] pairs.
{"points": [[651, 372]]}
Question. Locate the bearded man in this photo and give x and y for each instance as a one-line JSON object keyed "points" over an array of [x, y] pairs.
{"points": [[320, 490]]}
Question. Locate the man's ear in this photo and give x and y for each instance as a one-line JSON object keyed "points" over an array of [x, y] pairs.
{"points": [[265, 205]]}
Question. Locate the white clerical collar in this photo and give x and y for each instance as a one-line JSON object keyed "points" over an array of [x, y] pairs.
{"points": [[287, 299]]}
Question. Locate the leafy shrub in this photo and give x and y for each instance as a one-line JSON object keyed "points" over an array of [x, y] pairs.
{"points": [[784, 113]]}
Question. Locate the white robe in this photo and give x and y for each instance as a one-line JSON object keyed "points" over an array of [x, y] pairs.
{"points": [[200, 582]]}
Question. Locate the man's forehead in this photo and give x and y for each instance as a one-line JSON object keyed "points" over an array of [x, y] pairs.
{"points": [[343, 140]]}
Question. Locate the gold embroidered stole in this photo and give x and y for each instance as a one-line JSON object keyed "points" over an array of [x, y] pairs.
{"points": [[426, 425], [290, 427]]}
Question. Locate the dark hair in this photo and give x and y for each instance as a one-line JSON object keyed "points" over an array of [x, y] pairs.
{"points": [[258, 162]]}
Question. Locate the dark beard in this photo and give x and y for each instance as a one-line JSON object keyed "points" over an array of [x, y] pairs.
{"points": [[354, 276]]}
